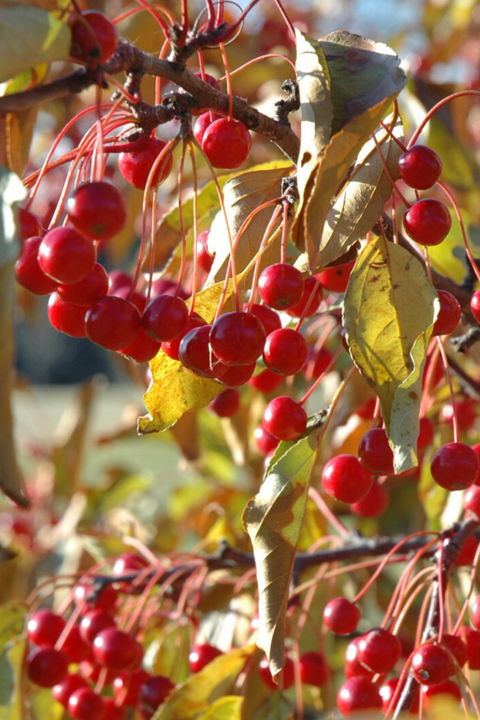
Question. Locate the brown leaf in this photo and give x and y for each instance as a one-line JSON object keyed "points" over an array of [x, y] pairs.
{"points": [[186, 434]]}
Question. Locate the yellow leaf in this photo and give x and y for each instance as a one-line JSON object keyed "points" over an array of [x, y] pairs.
{"points": [[29, 36], [198, 693], [12, 620], [11, 682], [273, 519], [389, 310], [226, 708]]}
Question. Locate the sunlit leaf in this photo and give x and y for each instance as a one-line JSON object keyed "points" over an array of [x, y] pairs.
{"points": [[273, 519], [11, 696], [12, 620], [199, 692], [226, 708], [29, 36], [389, 310], [359, 100], [45, 707]]}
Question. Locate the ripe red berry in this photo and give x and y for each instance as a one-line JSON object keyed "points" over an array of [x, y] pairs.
{"points": [[457, 647], [114, 648], [449, 687], [202, 123], [266, 381], [47, 667], [142, 349], [285, 679], [285, 351], [265, 441], [357, 694], [204, 258], [465, 410], [93, 622], [66, 255], [455, 466], [89, 597], [85, 704], [113, 322], [88, 291], [195, 353], [432, 664], [67, 687], [165, 317], [202, 655], [449, 315], [468, 551], [268, 317], [472, 499], [336, 279], [112, 710], [420, 167], [29, 225], [281, 286], [425, 436], [311, 299], [226, 143], [353, 666], [472, 638], [284, 418], [237, 375], [45, 627], [475, 305], [237, 338], [118, 279], [75, 647], [97, 209], [388, 692], [379, 650], [373, 504], [135, 166], [127, 686], [153, 693], [427, 221], [94, 36], [341, 616], [227, 403], [317, 362], [66, 317], [28, 272], [172, 347], [314, 668], [345, 478], [375, 452]]}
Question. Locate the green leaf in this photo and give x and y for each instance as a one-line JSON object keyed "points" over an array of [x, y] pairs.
{"points": [[30, 36], [362, 200], [273, 519], [389, 309], [12, 620], [364, 78], [198, 693], [12, 698], [45, 707], [226, 708]]}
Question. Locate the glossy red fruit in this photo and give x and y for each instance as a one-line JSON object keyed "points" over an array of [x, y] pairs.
{"points": [[336, 279], [314, 668], [269, 318], [226, 143], [172, 347], [345, 478], [475, 305], [426, 433], [353, 667], [281, 286], [28, 272], [136, 297], [127, 686], [472, 500], [285, 679], [455, 466], [67, 687], [204, 258], [427, 221], [87, 291], [113, 322], [457, 647], [92, 671], [379, 650], [85, 704], [65, 255], [94, 36], [165, 317], [202, 123], [465, 410], [266, 381], [264, 440], [448, 688], [142, 349], [113, 711], [66, 317], [468, 551], [358, 694], [285, 351], [29, 225], [388, 692], [237, 375], [118, 279], [97, 209], [226, 404], [237, 338], [136, 166], [375, 452], [420, 167], [89, 597], [284, 418], [153, 693], [472, 639], [317, 362], [341, 616], [449, 315], [47, 667], [195, 353], [432, 664], [201, 655], [311, 299], [45, 627], [131, 564], [114, 648], [93, 622], [75, 647], [373, 504]]}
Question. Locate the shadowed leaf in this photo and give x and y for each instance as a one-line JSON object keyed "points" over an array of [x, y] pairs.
{"points": [[12, 620], [273, 519], [389, 310], [200, 691]]}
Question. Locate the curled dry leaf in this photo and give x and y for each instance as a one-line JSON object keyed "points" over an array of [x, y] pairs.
{"points": [[356, 106], [273, 519], [389, 309]]}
